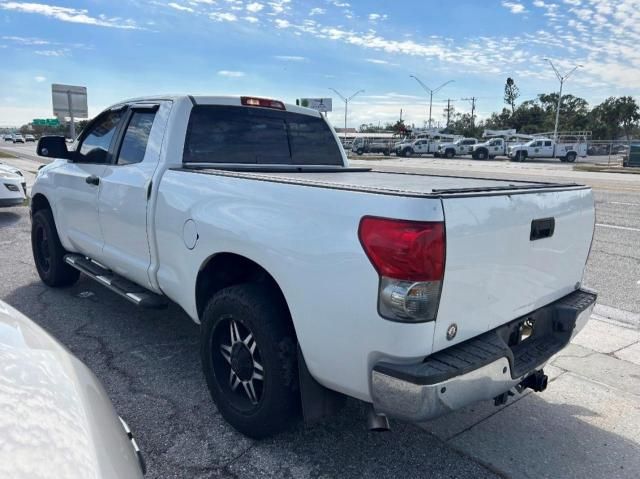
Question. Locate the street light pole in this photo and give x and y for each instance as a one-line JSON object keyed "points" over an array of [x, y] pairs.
{"points": [[562, 79], [346, 106], [430, 92]]}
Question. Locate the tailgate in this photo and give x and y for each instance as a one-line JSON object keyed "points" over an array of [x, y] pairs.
{"points": [[495, 272]]}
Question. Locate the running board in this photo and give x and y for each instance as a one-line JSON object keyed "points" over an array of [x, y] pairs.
{"points": [[135, 293]]}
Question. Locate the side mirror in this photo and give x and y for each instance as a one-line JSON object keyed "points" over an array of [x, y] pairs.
{"points": [[53, 147]]}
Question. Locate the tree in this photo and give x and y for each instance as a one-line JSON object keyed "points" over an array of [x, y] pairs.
{"points": [[628, 114], [511, 93], [614, 116]]}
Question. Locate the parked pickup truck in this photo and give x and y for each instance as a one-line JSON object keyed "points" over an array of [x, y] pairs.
{"points": [[312, 280], [417, 147], [463, 146], [546, 148], [489, 149]]}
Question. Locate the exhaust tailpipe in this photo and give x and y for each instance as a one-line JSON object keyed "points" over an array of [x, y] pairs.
{"points": [[376, 422]]}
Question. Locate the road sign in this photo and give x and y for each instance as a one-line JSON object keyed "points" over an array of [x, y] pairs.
{"points": [[45, 122], [69, 101], [322, 105]]}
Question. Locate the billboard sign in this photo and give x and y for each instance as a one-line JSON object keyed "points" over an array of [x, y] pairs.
{"points": [[69, 101], [323, 105]]}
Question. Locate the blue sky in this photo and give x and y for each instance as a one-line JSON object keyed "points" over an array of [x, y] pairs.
{"points": [[288, 49]]}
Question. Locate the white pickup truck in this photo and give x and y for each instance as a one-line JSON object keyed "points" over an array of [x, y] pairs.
{"points": [[311, 280], [489, 149], [418, 147], [461, 147], [547, 148]]}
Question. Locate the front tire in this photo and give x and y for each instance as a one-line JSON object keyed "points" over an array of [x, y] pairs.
{"points": [[248, 352], [48, 253], [449, 154]]}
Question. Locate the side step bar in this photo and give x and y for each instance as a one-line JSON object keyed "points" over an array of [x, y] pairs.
{"points": [[135, 293]]}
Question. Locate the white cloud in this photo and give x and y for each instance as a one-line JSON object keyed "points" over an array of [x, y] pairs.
{"points": [[290, 58], [254, 7], [376, 61], [223, 17], [180, 7], [40, 78], [26, 40], [317, 11], [374, 17], [71, 15], [251, 19], [514, 7], [231, 74], [51, 53], [281, 23]]}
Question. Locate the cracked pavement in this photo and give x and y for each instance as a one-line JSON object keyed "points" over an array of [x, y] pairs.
{"points": [[587, 424]]}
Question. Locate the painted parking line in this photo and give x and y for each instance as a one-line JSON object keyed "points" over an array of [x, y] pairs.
{"points": [[623, 203], [626, 228]]}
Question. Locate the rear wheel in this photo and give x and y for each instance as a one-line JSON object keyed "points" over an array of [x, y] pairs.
{"points": [[360, 151], [408, 152], [248, 352], [48, 253], [449, 153], [571, 157]]}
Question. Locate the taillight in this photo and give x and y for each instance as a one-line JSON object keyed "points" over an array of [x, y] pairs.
{"points": [[409, 256], [262, 102]]}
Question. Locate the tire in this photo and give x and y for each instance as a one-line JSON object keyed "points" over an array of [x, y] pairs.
{"points": [[264, 336], [480, 155], [449, 154], [571, 157], [48, 253], [519, 157], [408, 153], [387, 153], [360, 152]]}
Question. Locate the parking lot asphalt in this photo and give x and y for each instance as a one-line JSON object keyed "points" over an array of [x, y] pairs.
{"points": [[587, 424]]}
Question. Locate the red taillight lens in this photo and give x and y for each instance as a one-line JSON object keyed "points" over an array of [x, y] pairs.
{"points": [[262, 102], [407, 250]]}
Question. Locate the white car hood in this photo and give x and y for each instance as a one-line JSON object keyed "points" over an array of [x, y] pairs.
{"points": [[55, 418], [10, 169]]}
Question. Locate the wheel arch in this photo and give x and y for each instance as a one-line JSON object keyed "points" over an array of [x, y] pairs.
{"points": [[40, 202], [222, 270]]}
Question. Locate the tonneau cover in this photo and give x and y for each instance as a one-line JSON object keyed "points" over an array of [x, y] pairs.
{"points": [[392, 183]]}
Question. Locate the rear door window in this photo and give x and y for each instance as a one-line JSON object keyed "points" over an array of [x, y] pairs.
{"points": [[245, 135], [134, 143]]}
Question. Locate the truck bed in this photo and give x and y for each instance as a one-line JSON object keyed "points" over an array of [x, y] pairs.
{"points": [[385, 182]]}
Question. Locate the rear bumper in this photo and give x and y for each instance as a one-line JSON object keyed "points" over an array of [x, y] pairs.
{"points": [[481, 368]]}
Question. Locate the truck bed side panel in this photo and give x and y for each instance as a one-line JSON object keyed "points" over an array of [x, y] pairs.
{"points": [[306, 238]]}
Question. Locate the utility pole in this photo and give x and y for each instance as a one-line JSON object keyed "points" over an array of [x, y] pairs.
{"points": [[448, 111], [430, 92], [562, 80], [473, 109], [346, 106]]}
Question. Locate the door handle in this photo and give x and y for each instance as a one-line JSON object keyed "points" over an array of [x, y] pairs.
{"points": [[92, 180]]}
